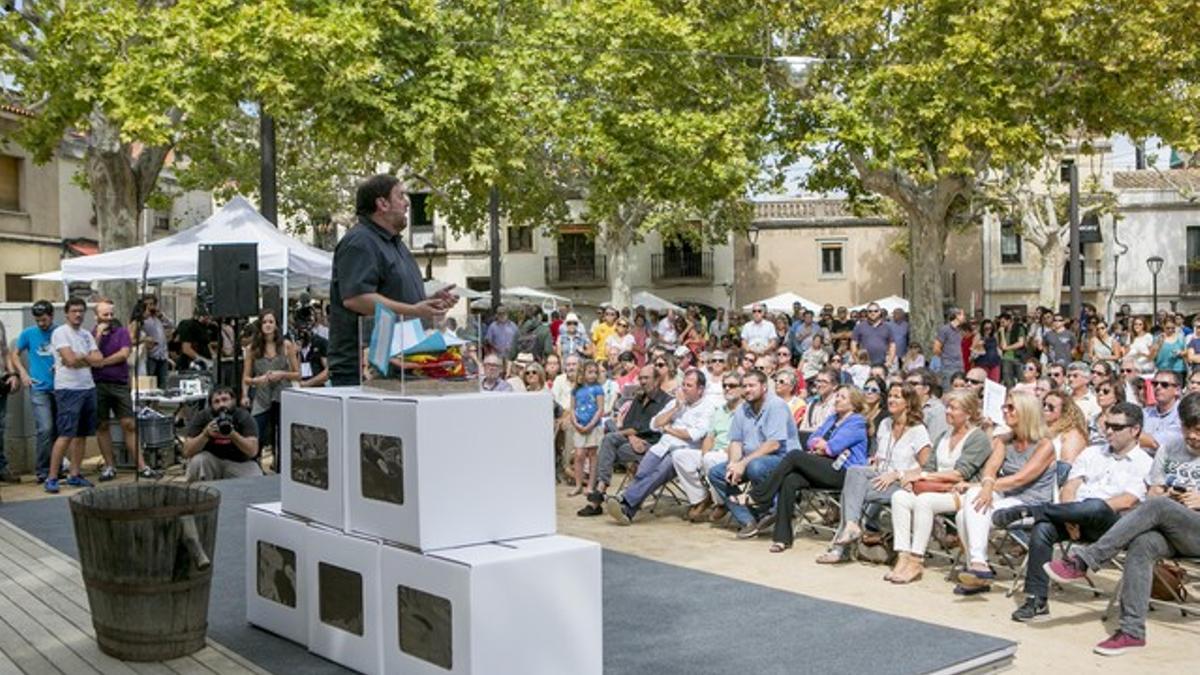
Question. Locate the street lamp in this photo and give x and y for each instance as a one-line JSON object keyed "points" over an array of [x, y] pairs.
{"points": [[1155, 264], [430, 248], [752, 236]]}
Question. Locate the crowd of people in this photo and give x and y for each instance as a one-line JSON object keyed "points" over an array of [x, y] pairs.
{"points": [[1097, 442], [79, 384]]}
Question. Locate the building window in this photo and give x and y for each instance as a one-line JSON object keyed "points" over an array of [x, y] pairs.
{"points": [[831, 259], [520, 239], [1010, 244], [421, 216], [17, 289], [10, 183], [162, 223], [480, 284]]}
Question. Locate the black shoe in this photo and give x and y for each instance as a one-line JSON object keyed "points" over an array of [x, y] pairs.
{"points": [[1005, 517], [590, 510], [748, 531], [595, 497], [766, 522], [1034, 609]]}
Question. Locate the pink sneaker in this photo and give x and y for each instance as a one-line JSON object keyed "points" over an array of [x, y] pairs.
{"points": [[1118, 644], [1066, 570]]}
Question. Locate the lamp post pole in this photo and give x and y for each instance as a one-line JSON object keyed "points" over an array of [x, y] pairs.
{"points": [[1155, 264]]}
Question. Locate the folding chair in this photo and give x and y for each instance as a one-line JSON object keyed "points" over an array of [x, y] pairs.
{"points": [[816, 508], [1192, 565]]}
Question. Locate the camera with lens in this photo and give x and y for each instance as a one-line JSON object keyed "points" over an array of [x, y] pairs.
{"points": [[224, 420]]}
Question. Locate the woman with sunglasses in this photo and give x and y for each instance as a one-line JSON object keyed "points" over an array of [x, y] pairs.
{"points": [[667, 369], [619, 342], [902, 444], [1102, 347], [1108, 393], [1141, 343], [874, 408], [1031, 371], [1020, 471], [838, 444], [785, 388]]}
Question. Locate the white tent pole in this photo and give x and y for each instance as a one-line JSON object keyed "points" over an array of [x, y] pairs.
{"points": [[284, 290]]}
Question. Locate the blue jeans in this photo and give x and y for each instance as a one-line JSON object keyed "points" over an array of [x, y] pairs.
{"points": [[653, 472], [43, 419], [758, 470]]}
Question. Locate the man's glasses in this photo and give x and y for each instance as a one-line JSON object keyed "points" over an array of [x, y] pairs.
{"points": [[758, 311], [713, 362], [1115, 427], [731, 385], [1164, 384], [975, 383], [1128, 370]]}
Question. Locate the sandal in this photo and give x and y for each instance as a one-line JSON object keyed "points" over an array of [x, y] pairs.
{"points": [[849, 535], [833, 556], [576, 492], [778, 547]]}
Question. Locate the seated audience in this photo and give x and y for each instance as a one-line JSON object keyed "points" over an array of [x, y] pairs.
{"points": [[1066, 424], [1020, 471], [902, 444], [692, 465], [683, 423], [1167, 525], [838, 444], [1105, 482]]}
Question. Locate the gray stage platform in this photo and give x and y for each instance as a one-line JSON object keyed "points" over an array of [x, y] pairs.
{"points": [[658, 618]]}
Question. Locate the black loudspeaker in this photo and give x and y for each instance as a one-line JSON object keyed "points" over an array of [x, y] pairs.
{"points": [[227, 280], [272, 301]]}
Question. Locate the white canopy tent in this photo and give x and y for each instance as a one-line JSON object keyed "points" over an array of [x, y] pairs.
{"points": [[652, 302], [886, 304], [783, 303], [175, 257]]}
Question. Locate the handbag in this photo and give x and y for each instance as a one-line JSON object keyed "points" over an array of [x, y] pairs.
{"points": [[923, 486], [1169, 581]]}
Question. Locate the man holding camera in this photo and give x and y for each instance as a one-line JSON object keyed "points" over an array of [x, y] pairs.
{"points": [[222, 441]]}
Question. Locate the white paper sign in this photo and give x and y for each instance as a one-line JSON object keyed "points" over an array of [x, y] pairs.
{"points": [[306, 370], [994, 394]]}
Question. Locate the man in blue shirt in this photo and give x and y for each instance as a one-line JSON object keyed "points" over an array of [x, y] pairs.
{"points": [[39, 378], [760, 434]]}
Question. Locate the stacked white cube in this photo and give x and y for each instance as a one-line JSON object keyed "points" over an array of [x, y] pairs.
{"points": [[420, 535]]}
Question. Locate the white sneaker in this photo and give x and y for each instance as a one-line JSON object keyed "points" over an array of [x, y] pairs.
{"points": [[108, 474]]}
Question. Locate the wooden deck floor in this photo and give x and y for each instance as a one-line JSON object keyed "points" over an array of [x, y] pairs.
{"points": [[46, 627]]}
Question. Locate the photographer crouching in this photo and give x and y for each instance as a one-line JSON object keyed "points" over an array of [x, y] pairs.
{"points": [[222, 441]]}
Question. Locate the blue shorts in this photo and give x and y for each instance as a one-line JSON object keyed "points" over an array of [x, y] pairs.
{"points": [[76, 416]]}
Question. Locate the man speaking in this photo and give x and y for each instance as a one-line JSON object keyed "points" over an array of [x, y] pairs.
{"points": [[371, 264]]}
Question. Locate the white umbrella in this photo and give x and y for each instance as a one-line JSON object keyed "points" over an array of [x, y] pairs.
{"points": [[434, 285], [886, 304], [783, 303], [527, 293], [652, 302]]}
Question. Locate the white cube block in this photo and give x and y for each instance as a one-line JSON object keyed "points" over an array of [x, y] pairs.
{"points": [[445, 471], [312, 460], [276, 593], [343, 586], [530, 606]]}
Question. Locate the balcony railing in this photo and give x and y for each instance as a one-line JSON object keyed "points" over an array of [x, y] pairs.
{"points": [[576, 271], [674, 267], [1189, 279], [1091, 278]]}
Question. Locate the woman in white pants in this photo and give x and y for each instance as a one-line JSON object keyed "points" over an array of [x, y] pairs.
{"points": [[960, 456], [1019, 472]]}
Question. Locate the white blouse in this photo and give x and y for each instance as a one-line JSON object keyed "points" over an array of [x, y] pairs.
{"points": [[899, 454]]}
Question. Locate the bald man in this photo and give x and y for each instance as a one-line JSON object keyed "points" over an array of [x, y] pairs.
{"points": [[112, 389]]}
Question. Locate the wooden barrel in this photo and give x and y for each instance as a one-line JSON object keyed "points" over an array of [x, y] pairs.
{"points": [[145, 550]]}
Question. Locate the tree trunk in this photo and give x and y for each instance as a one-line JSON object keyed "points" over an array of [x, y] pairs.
{"points": [[927, 255], [1054, 256], [619, 236], [119, 184]]}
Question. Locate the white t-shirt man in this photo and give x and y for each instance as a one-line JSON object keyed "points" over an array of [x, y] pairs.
{"points": [[758, 335], [82, 343]]}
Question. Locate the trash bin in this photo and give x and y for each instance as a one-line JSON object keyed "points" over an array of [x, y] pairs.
{"points": [[146, 552]]}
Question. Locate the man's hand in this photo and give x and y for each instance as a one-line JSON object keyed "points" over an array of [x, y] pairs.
{"points": [[733, 475], [1190, 499], [431, 309], [447, 295], [213, 431], [639, 445], [27, 381]]}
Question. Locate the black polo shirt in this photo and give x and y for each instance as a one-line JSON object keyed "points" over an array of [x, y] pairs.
{"points": [[642, 413], [367, 260]]}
